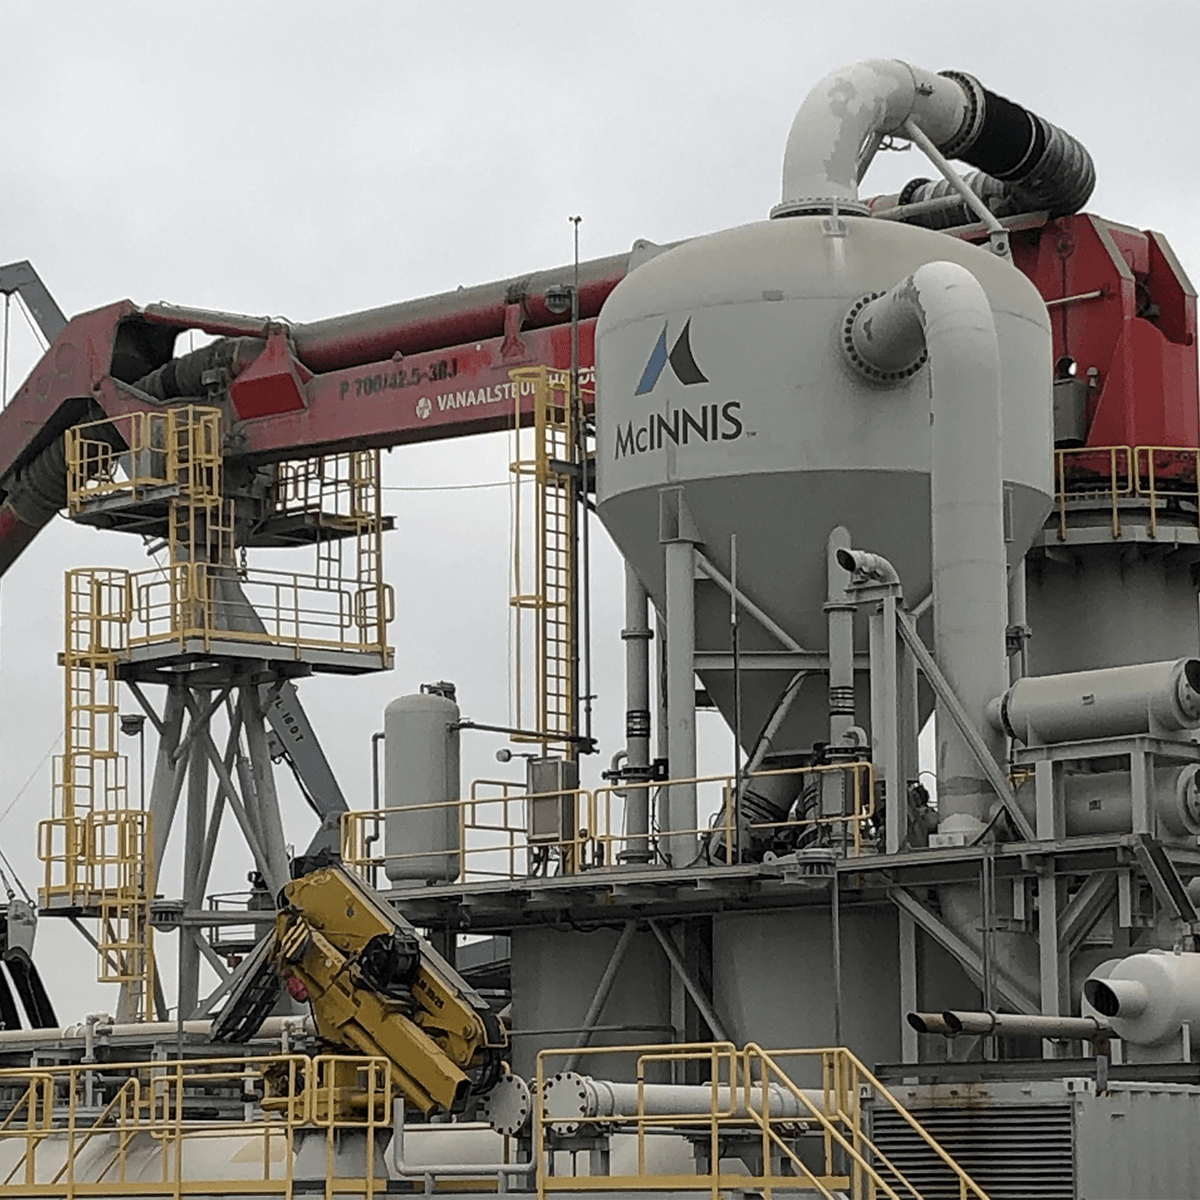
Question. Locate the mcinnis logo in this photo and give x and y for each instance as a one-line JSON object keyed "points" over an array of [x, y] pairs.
{"points": [[708, 423]]}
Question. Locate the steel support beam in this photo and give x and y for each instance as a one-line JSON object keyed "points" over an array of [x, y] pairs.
{"points": [[168, 776], [603, 990], [1086, 907], [232, 747], [678, 537], [1012, 995], [195, 828], [266, 801], [978, 747], [235, 804], [744, 602], [885, 731], [699, 999], [909, 1000]]}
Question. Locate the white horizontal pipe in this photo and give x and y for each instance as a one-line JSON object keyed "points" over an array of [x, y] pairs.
{"points": [[573, 1097], [271, 1030]]}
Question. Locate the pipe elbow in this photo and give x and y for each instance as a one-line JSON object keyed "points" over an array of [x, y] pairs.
{"points": [[1024, 161], [841, 122], [889, 338], [867, 568]]}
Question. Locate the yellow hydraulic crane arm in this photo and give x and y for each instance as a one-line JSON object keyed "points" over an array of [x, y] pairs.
{"points": [[377, 987]]}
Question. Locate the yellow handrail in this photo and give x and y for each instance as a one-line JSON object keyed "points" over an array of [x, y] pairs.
{"points": [[496, 841], [850, 1077], [89, 1149], [1132, 472], [744, 1087]]}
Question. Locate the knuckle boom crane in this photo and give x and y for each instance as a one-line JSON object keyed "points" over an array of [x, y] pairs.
{"points": [[375, 987]]}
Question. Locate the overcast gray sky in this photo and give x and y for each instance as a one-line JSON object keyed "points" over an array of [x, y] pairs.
{"points": [[309, 159]]}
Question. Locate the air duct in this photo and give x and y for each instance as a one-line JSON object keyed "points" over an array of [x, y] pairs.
{"points": [[940, 311], [1024, 161]]}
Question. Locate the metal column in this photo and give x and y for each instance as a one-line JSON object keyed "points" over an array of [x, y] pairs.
{"points": [[678, 536], [885, 725], [195, 829], [168, 779], [266, 801], [839, 613], [636, 636]]}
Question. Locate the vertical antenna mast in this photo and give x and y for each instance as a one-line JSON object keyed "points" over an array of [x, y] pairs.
{"points": [[585, 598]]}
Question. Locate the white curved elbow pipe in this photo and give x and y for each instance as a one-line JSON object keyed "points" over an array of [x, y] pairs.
{"points": [[865, 567], [838, 128], [1125, 998], [1025, 162]]}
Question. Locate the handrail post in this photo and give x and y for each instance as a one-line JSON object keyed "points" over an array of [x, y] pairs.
{"points": [[1061, 489], [1153, 491]]}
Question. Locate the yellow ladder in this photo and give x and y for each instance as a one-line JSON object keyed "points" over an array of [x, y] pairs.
{"points": [[546, 472], [95, 847]]}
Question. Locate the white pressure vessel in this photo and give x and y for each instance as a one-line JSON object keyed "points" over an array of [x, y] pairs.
{"points": [[421, 789]]}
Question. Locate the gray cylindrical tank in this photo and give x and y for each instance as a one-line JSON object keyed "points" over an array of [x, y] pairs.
{"points": [[421, 782], [721, 368], [1160, 698], [1102, 802]]}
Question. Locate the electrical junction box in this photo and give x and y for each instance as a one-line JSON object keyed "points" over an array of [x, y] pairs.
{"points": [[551, 784]]}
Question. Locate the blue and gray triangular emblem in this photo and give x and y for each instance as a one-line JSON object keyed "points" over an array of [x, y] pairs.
{"points": [[681, 358]]}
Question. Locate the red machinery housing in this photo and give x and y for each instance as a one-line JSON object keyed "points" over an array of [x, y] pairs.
{"points": [[1124, 320], [1123, 313]]}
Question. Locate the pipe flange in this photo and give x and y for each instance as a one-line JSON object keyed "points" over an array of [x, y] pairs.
{"points": [[507, 1106], [860, 364], [972, 123], [909, 190], [818, 206]]}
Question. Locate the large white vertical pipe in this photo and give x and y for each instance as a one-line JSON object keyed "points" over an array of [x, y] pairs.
{"points": [[636, 636], [942, 309], [678, 536]]}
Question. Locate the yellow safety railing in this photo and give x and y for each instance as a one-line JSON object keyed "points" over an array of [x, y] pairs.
{"points": [[144, 457], [756, 1113], [188, 602], [500, 831], [95, 846], [168, 466], [1116, 475], [1167, 471], [143, 1129]]}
